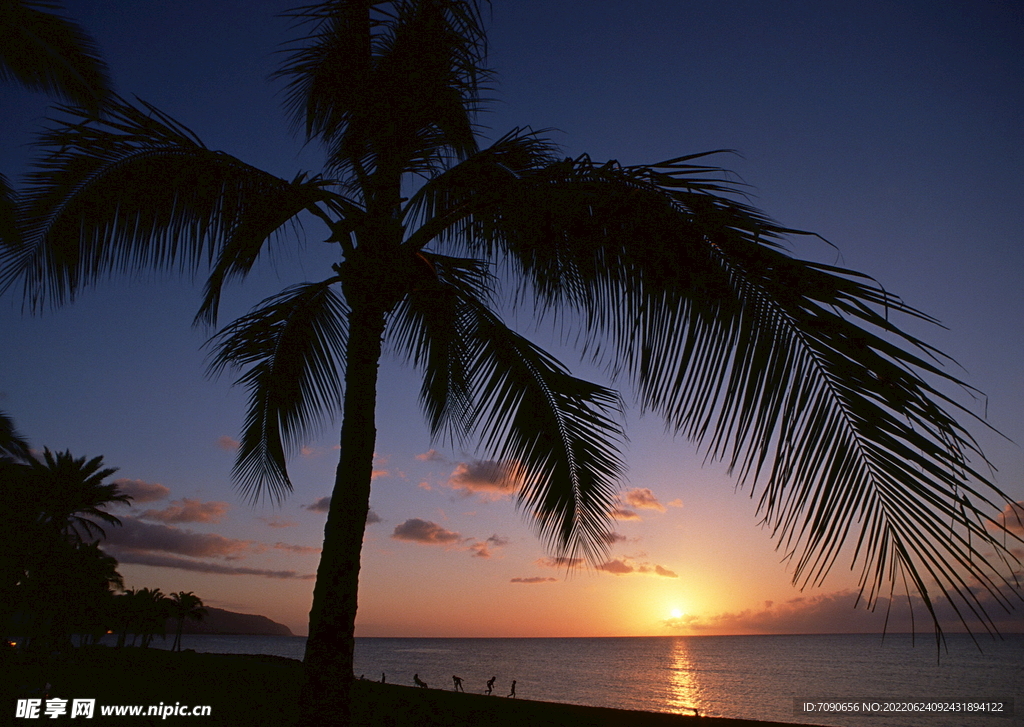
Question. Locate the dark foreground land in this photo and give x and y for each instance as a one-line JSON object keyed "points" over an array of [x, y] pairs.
{"points": [[263, 690]]}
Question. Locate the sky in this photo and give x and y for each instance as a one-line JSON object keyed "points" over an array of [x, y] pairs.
{"points": [[893, 130]]}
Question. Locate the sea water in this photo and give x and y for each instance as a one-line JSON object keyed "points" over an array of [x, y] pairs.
{"points": [[751, 677]]}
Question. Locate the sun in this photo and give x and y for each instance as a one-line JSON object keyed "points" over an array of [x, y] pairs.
{"points": [[676, 613]]}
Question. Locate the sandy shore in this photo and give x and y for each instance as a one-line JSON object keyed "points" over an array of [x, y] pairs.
{"points": [[263, 690]]}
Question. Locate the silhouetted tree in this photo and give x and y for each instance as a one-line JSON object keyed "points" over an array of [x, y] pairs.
{"points": [[185, 606], [792, 371]]}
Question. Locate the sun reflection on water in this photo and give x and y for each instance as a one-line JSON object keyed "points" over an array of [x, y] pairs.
{"points": [[684, 686]]}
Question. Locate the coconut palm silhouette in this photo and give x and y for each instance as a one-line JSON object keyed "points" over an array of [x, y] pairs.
{"points": [[792, 371], [185, 606]]}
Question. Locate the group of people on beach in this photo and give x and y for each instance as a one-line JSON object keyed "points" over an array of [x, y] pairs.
{"points": [[457, 684], [456, 681]]}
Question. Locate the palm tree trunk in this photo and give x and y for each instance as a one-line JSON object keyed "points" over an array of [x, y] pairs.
{"points": [[328, 661]]}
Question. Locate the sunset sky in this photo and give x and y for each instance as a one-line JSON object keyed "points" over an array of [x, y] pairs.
{"points": [[894, 130]]}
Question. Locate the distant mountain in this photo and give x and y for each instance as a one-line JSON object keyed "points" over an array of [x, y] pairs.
{"points": [[219, 621]]}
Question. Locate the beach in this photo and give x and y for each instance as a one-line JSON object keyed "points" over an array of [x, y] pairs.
{"points": [[244, 689]]}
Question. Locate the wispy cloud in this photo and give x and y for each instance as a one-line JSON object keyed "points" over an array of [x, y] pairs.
{"points": [[835, 613], [553, 562], [141, 491], [642, 498], [275, 523], [625, 566], [139, 536], [622, 514], [483, 548], [534, 579], [227, 443], [300, 549], [431, 455], [188, 511], [170, 561], [1011, 518], [321, 505]]}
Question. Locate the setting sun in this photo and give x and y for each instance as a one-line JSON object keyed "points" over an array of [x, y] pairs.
{"points": [[676, 613]]}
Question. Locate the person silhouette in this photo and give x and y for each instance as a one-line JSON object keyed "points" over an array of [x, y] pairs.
{"points": [[383, 678], [490, 684], [419, 682], [457, 681], [512, 694]]}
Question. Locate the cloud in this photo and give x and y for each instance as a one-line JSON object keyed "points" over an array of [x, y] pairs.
{"points": [[676, 503], [613, 538], [835, 613], [321, 505], [643, 498], [1011, 518], [307, 451], [141, 491], [622, 514], [534, 579], [275, 523], [431, 455], [324, 505], [493, 480], [625, 565], [228, 443], [618, 566], [300, 549], [482, 548], [170, 561], [139, 536], [553, 562], [188, 511], [422, 531]]}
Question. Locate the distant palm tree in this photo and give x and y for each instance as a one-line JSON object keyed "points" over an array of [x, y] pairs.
{"points": [[185, 606], [44, 51], [143, 613], [790, 370]]}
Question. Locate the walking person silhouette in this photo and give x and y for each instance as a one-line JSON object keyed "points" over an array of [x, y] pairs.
{"points": [[458, 684], [512, 694], [490, 684]]}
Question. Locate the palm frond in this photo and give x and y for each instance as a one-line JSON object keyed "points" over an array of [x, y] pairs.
{"points": [[13, 446], [292, 346], [388, 87], [790, 370], [9, 235], [134, 191], [44, 51], [555, 434]]}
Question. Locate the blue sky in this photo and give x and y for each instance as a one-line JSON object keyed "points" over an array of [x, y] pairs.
{"points": [[891, 129]]}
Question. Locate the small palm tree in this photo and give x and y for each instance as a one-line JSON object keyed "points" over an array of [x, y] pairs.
{"points": [[792, 371], [185, 606]]}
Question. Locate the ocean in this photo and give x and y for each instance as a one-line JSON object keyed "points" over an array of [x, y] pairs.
{"points": [[751, 677]]}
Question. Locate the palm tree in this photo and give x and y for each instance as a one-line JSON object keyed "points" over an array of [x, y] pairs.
{"points": [[185, 606], [71, 494], [44, 51], [790, 370]]}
